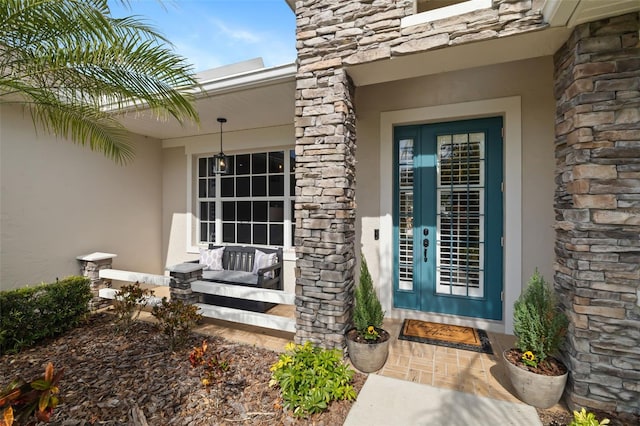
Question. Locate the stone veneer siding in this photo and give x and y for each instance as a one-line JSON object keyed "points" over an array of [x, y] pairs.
{"points": [[597, 204], [325, 208], [331, 35]]}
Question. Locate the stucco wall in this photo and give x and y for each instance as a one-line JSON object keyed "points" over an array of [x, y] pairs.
{"points": [[174, 201], [532, 80], [175, 215], [60, 200]]}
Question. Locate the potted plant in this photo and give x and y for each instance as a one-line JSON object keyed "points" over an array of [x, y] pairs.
{"points": [[367, 342], [540, 327]]}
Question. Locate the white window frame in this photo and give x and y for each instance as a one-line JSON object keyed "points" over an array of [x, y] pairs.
{"points": [[193, 229], [444, 12]]}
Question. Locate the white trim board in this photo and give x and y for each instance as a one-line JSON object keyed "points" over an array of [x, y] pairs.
{"points": [[247, 317], [510, 109], [243, 292], [140, 277]]}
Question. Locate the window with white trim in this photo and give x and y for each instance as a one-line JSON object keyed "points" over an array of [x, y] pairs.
{"points": [[252, 204]]}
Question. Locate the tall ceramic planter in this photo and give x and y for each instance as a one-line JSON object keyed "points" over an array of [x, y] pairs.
{"points": [[535, 389], [367, 357]]}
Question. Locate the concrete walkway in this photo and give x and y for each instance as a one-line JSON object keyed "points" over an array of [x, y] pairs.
{"points": [[386, 401]]}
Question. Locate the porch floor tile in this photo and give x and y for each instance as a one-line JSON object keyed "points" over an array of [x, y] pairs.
{"points": [[454, 369]]}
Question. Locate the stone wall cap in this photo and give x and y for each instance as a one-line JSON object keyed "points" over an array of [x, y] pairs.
{"points": [[186, 268], [96, 256]]}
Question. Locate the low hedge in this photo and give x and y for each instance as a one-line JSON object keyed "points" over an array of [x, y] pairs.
{"points": [[30, 314]]}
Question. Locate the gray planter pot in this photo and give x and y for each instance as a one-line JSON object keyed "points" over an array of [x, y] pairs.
{"points": [[535, 389], [367, 357]]}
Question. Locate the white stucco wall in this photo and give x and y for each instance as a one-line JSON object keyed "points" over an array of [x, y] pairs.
{"points": [[532, 82], [179, 209], [59, 200]]}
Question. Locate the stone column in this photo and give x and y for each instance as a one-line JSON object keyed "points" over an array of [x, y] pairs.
{"points": [[90, 267], [325, 204], [182, 276], [597, 204]]}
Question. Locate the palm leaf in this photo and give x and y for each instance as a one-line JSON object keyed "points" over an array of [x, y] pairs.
{"points": [[73, 66]]}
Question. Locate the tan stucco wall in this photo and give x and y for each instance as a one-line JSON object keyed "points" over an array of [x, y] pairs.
{"points": [[532, 80], [175, 229], [174, 201], [60, 200]]}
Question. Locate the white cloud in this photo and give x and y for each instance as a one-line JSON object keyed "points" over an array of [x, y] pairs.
{"points": [[239, 34], [201, 58]]}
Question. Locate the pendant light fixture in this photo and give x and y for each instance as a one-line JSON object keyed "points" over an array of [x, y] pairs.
{"points": [[220, 163]]}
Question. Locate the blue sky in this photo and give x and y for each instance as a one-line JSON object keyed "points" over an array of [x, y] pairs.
{"points": [[211, 33]]}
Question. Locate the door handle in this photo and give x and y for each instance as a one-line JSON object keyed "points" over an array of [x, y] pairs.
{"points": [[425, 244]]}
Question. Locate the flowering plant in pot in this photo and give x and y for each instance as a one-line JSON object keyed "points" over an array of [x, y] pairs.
{"points": [[367, 341], [540, 327]]}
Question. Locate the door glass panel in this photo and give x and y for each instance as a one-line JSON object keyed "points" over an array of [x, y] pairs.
{"points": [[460, 215], [405, 213]]}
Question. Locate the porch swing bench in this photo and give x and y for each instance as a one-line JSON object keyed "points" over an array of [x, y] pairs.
{"points": [[239, 269]]}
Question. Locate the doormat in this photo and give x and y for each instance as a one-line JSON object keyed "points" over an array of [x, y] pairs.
{"points": [[452, 336]]}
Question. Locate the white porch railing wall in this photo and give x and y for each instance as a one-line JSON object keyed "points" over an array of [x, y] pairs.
{"points": [[186, 284]]}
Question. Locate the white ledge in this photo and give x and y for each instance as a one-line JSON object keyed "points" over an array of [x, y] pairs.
{"points": [[444, 12]]}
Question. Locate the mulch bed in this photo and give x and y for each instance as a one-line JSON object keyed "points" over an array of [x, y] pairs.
{"points": [[110, 378]]}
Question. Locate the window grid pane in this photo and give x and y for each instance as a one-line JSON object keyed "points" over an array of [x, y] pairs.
{"points": [[251, 200]]}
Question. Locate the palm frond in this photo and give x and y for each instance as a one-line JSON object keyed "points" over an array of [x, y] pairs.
{"points": [[73, 56]]}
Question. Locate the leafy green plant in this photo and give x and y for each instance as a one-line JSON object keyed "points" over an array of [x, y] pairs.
{"points": [[176, 320], [539, 324], [26, 403], [214, 365], [367, 312], [584, 418], [128, 303], [30, 314], [311, 377]]}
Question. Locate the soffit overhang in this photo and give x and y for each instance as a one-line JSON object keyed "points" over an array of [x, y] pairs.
{"points": [[248, 100], [569, 13]]}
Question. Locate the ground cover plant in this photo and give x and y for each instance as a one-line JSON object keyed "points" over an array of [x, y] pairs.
{"points": [[311, 377]]}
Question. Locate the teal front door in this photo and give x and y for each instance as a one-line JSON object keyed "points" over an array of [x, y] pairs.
{"points": [[448, 218]]}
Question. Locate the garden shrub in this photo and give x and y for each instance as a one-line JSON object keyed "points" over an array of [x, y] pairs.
{"points": [[176, 319], [538, 322], [128, 303], [30, 314], [311, 377]]}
